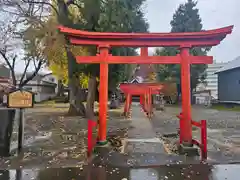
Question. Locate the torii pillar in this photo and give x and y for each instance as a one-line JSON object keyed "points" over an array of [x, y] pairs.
{"points": [[186, 129], [103, 91]]}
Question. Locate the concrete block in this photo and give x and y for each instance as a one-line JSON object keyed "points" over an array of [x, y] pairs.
{"points": [[188, 150]]}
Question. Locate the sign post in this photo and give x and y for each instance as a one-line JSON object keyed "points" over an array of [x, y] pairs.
{"points": [[20, 130], [20, 99]]}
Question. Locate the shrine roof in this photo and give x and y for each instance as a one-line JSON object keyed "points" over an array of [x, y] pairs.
{"points": [[230, 65], [215, 36], [142, 84]]}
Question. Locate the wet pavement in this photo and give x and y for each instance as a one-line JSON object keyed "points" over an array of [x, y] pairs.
{"points": [[91, 172], [142, 136], [142, 159], [142, 128], [53, 140], [223, 131]]}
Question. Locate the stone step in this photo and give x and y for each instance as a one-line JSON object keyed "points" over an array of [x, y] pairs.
{"points": [[152, 140], [144, 147], [141, 159]]}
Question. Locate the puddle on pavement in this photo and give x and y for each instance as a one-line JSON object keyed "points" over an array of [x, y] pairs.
{"points": [[166, 172], [30, 140]]}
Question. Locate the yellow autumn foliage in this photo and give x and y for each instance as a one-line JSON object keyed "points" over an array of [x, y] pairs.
{"points": [[52, 45], [152, 77]]}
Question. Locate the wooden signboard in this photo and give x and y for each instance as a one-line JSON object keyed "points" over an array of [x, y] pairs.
{"points": [[20, 99]]}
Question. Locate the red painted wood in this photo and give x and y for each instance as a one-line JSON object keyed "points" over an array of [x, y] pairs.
{"points": [[125, 106], [198, 124], [141, 99], [141, 86], [203, 144], [201, 59], [144, 43], [103, 98], [187, 39], [150, 103], [144, 51], [128, 103], [184, 40], [139, 92], [186, 97], [144, 60], [204, 138], [145, 90], [217, 34], [91, 142], [146, 102], [140, 89]]}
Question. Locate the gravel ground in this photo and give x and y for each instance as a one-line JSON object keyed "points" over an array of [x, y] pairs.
{"points": [[55, 140], [223, 131]]}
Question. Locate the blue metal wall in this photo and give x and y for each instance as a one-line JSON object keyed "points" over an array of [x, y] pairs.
{"points": [[229, 85]]}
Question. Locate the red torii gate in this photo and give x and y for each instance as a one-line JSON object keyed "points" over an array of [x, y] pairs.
{"points": [[184, 41], [144, 90]]}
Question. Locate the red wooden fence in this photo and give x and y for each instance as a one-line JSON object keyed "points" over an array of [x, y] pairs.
{"points": [[203, 144]]}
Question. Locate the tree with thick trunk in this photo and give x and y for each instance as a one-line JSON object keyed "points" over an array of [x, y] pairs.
{"points": [[95, 15], [91, 97], [75, 90]]}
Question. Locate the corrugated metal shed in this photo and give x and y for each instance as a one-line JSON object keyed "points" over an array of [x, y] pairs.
{"points": [[230, 65]]}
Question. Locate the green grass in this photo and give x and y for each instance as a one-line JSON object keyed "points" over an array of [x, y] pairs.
{"points": [[50, 102], [173, 105], [226, 108]]}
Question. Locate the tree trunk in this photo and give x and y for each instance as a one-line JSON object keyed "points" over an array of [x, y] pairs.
{"points": [[76, 96], [179, 90], [92, 85], [97, 92], [75, 91], [60, 92]]}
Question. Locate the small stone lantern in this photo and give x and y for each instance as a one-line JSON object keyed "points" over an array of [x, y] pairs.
{"points": [[160, 102], [114, 104]]}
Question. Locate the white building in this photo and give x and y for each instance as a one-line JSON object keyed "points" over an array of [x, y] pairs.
{"points": [[203, 97], [45, 86], [211, 79]]}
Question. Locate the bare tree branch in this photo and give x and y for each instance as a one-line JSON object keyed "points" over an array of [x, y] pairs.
{"points": [[25, 70], [35, 63], [43, 2], [14, 61], [19, 15], [29, 78]]}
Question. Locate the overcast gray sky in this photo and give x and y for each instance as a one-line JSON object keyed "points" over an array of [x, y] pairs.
{"points": [[214, 14]]}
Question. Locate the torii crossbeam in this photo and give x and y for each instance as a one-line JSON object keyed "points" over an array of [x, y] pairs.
{"points": [[184, 41]]}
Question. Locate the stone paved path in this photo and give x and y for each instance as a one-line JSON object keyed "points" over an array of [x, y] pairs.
{"points": [[142, 127], [142, 136], [142, 148]]}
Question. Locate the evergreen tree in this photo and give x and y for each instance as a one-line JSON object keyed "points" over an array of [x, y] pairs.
{"points": [[185, 19], [101, 16], [111, 16]]}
